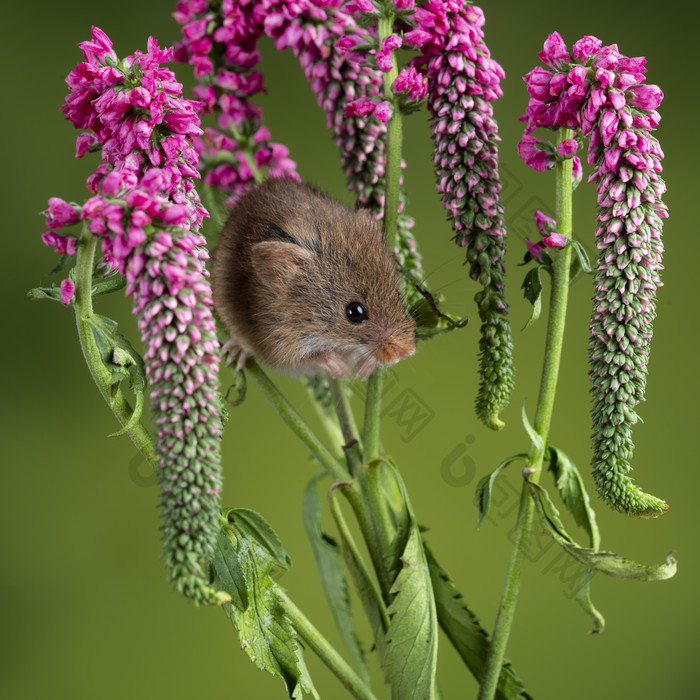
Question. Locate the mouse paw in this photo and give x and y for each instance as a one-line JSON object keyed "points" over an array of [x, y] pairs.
{"points": [[366, 366], [232, 350], [332, 362]]}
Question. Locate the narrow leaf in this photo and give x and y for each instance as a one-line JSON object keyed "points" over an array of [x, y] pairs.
{"points": [[536, 311], [52, 293], [583, 598], [482, 496], [255, 528], [606, 562], [535, 438], [329, 561], [573, 492], [532, 285], [467, 635]]}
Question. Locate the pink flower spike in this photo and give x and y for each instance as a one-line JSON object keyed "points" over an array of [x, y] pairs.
{"points": [[67, 291], [584, 47], [555, 240]]}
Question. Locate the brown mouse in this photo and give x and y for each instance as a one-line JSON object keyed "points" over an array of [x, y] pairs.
{"points": [[305, 285]]}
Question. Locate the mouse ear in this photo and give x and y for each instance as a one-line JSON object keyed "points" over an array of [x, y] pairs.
{"points": [[278, 261]]}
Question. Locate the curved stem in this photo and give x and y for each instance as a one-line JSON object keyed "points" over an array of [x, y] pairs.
{"points": [[112, 394], [325, 651], [346, 418], [290, 416], [543, 416]]}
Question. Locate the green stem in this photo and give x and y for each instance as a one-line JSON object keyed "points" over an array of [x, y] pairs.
{"points": [[248, 153], [543, 416], [84, 312], [290, 416], [373, 410], [346, 418], [323, 649]]}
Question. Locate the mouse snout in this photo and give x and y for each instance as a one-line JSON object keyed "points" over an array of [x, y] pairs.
{"points": [[392, 347]]}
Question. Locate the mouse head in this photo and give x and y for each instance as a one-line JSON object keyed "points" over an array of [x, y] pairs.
{"points": [[335, 279]]}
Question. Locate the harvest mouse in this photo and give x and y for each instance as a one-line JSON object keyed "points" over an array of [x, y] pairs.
{"points": [[305, 285]]}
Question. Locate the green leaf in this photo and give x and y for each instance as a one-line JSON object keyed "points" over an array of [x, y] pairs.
{"points": [[265, 631], [236, 392], [583, 598], [254, 527], [482, 496], [535, 438], [52, 293], [606, 562], [573, 492], [329, 561], [467, 635], [108, 284], [532, 285], [408, 650], [228, 569], [64, 262], [579, 260]]}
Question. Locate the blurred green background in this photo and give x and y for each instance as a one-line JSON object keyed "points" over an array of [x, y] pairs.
{"points": [[86, 611]]}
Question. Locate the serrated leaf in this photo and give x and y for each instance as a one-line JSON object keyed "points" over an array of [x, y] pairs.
{"points": [[265, 630], [228, 569], [408, 650], [535, 438], [607, 562], [482, 495], [467, 635], [253, 526], [329, 562], [573, 492]]}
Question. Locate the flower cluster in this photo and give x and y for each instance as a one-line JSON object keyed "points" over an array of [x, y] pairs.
{"points": [[146, 211], [219, 39], [601, 93], [320, 35], [463, 80]]}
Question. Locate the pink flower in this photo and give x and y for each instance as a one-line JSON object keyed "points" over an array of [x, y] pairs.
{"points": [[535, 249], [538, 80], [544, 223], [384, 60], [360, 107], [63, 245], [646, 96], [362, 6], [555, 240], [412, 82], [584, 47], [383, 111], [67, 291], [60, 213], [567, 148], [554, 50], [536, 153]]}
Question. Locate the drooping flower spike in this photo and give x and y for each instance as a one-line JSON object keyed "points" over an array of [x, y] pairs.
{"points": [[601, 92], [462, 82], [224, 50], [147, 212]]}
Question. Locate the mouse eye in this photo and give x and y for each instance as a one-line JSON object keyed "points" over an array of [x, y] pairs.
{"points": [[355, 312]]}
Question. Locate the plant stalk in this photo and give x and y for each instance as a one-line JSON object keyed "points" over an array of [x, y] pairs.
{"points": [[85, 257], [325, 651], [543, 416]]}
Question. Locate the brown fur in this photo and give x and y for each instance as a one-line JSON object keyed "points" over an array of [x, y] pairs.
{"points": [[288, 262]]}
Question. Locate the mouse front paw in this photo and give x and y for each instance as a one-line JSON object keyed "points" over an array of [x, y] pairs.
{"points": [[231, 351], [332, 362]]}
